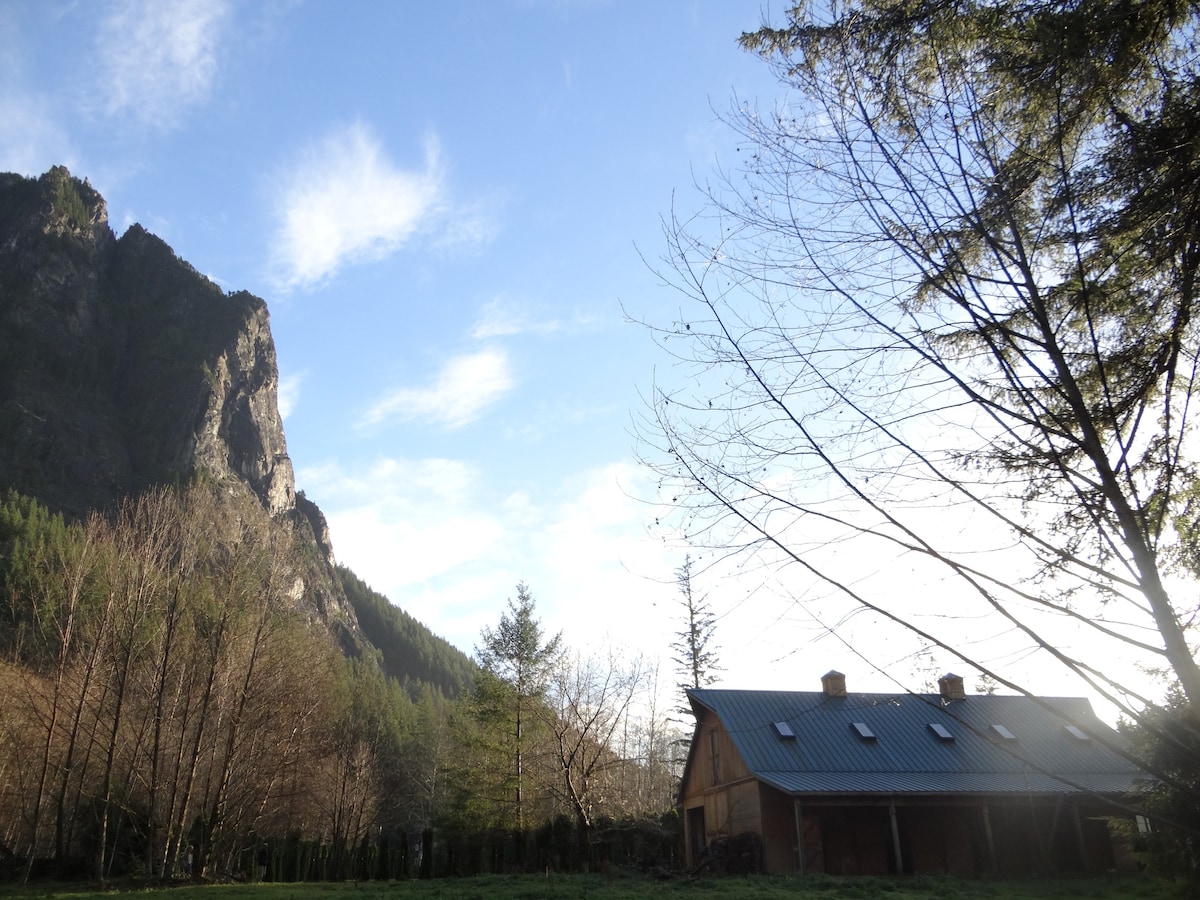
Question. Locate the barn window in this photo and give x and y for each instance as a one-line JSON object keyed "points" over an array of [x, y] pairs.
{"points": [[784, 730], [1076, 733], [863, 731]]}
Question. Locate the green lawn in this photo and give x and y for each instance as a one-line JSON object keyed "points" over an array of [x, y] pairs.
{"points": [[631, 887]]}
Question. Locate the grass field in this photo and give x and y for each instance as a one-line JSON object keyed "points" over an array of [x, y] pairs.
{"points": [[630, 887]]}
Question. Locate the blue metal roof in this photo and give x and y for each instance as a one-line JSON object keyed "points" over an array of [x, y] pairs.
{"points": [[906, 756]]}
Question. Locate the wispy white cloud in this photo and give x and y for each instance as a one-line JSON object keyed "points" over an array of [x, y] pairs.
{"points": [[345, 202], [289, 393], [468, 225], [158, 57], [404, 522], [500, 317], [458, 395]]}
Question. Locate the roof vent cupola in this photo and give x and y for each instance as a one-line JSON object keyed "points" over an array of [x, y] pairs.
{"points": [[951, 686], [833, 683]]}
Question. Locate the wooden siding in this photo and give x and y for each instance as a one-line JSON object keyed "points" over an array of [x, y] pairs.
{"points": [[941, 839], [855, 840], [718, 781], [715, 761], [778, 830]]}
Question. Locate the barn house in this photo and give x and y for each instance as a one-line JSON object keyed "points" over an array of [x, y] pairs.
{"points": [[875, 784]]}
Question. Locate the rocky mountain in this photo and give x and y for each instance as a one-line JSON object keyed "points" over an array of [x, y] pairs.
{"points": [[122, 367]]}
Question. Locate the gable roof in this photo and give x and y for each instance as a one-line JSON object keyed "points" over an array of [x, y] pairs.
{"points": [[902, 754]]}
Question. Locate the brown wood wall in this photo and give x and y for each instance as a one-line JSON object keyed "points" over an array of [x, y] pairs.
{"points": [[853, 837], [778, 830], [718, 780]]}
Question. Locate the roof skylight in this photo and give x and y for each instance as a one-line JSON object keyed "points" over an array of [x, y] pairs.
{"points": [[784, 730], [1076, 733], [941, 731], [1003, 732], [863, 731]]}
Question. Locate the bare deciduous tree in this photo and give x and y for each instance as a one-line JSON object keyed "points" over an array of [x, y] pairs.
{"points": [[588, 706], [169, 689], [943, 312]]}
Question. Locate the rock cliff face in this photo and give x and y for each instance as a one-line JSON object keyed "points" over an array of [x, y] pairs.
{"points": [[121, 367]]}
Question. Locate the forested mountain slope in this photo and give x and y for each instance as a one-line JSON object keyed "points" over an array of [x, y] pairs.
{"points": [[409, 652]]}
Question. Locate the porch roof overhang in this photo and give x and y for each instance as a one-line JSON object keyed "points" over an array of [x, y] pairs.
{"points": [[945, 783]]}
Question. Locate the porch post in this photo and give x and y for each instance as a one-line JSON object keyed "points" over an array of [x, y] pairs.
{"points": [[896, 837], [1079, 838], [991, 844], [798, 813], [1048, 854], [687, 837]]}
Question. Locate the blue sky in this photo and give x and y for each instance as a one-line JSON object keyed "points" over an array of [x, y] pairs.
{"points": [[446, 206]]}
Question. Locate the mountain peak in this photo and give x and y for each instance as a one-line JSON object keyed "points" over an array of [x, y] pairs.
{"points": [[121, 366]]}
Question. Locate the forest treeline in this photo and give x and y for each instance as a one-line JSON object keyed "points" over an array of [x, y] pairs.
{"points": [[170, 711]]}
